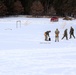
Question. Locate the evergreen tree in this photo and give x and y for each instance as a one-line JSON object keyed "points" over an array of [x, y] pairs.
{"points": [[3, 9], [18, 8], [37, 8], [62, 7], [9, 4], [51, 11]]}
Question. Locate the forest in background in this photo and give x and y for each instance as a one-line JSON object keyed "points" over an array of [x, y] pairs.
{"points": [[38, 7]]}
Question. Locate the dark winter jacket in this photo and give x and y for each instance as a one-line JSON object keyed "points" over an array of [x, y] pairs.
{"points": [[71, 31], [47, 33], [65, 33]]}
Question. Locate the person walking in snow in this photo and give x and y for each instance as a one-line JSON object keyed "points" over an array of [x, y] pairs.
{"points": [[47, 37], [57, 35], [71, 32], [65, 34]]}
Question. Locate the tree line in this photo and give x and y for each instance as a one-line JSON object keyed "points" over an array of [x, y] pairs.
{"points": [[38, 7]]}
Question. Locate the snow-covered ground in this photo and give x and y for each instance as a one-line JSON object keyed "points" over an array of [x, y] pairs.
{"points": [[23, 50]]}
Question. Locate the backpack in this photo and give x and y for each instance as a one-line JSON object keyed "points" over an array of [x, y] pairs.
{"points": [[49, 39]]}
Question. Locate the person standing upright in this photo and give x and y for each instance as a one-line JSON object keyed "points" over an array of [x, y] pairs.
{"points": [[57, 35], [71, 32]]}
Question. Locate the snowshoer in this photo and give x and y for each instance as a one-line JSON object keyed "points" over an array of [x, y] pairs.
{"points": [[57, 35], [47, 37], [65, 34], [71, 32]]}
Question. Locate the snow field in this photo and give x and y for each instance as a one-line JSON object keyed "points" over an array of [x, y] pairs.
{"points": [[23, 50]]}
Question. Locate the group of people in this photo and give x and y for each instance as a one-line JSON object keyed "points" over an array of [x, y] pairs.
{"points": [[65, 35]]}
